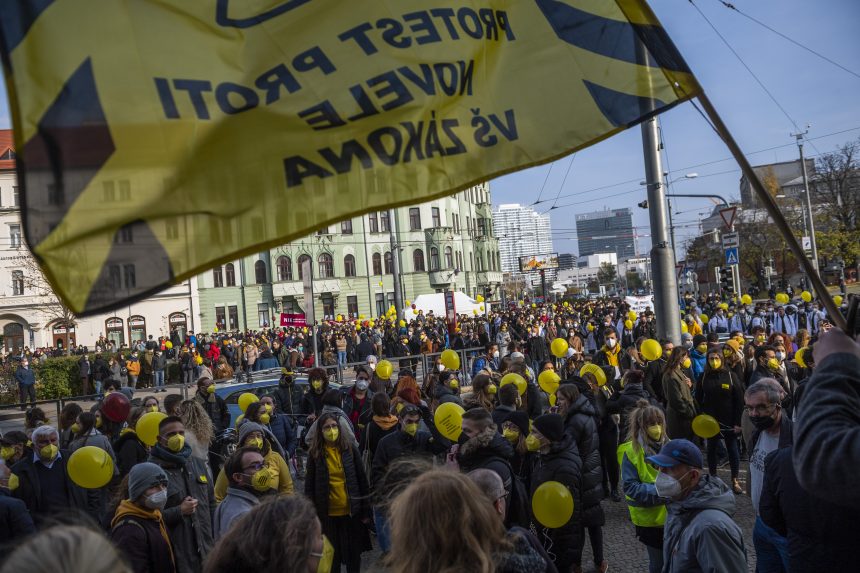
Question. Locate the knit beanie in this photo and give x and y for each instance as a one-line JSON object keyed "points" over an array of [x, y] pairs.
{"points": [[248, 427], [551, 426], [142, 477]]}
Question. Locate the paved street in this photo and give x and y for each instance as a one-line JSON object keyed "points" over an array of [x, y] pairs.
{"points": [[623, 551]]}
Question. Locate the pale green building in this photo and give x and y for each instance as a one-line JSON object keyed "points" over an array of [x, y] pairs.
{"points": [[443, 244]]}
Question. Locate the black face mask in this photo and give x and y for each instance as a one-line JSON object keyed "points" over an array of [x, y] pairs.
{"points": [[762, 422]]}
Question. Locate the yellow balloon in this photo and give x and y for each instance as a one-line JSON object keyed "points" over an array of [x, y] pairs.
{"points": [[837, 300], [632, 315], [746, 299], [684, 328], [360, 317], [448, 419], [414, 311], [704, 318], [595, 371], [246, 399], [515, 379], [534, 305], [357, 327], [479, 298], [552, 399], [450, 359], [705, 426], [724, 305], [552, 504], [590, 327], [384, 369], [198, 360], [559, 347], [798, 357], [408, 303], [806, 296], [168, 345], [475, 312], [651, 350], [370, 323], [566, 304], [781, 298], [628, 324], [239, 419], [147, 427], [548, 381], [90, 467], [402, 323]]}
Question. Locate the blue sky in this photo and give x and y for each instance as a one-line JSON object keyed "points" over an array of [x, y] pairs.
{"points": [[811, 91]]}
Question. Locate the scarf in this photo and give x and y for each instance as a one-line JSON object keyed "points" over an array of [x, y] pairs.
{"points": [[127, 508], [612, 354], [179, 458], [387, 422]]}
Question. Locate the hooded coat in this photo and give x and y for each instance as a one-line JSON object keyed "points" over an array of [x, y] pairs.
{"points": [[580, 423], [700, 534], [488, 450]]}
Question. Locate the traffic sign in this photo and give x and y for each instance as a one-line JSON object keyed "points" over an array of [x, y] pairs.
{"points": [[730, 240], [732, 256], [728, 216]]}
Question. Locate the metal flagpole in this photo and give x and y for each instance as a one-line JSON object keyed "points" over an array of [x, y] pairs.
{"points": [[774, 212]]}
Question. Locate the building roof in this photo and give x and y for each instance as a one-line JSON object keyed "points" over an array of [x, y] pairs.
{"points": [[7, 145]]}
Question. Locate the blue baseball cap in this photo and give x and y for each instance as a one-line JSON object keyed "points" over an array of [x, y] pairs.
{"points": [[678, 452]]}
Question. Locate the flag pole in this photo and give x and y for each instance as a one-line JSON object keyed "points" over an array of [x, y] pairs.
{"points": [[773, 210]]}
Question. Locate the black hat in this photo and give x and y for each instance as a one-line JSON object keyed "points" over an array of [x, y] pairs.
{"points": [[551, 426], [699, 339]]}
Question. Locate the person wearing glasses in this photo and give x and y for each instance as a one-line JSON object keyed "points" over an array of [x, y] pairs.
{"points": [[772, 432]]}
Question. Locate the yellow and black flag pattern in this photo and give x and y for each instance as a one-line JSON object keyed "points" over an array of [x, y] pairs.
{"points": [[158, 138]]}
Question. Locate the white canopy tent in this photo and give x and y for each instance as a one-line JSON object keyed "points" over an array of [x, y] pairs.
{"points": [[436, 303]]}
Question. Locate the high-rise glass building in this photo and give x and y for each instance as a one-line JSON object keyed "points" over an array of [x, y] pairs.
{"points": [[521, 231], [607, 231]]}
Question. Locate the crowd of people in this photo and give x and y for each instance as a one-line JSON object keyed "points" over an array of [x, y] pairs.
{"points": [[316, 486]]}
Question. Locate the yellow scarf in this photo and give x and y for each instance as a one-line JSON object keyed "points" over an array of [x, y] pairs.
{"points": [[126, 508], [612, 354]]}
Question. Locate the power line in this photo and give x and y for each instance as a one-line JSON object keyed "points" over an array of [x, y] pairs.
{"points": [[563, 181], [731, 6], [545, 179]]}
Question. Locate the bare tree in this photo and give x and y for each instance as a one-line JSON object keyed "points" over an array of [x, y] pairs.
{"points": [[836, 200], [49, 305]]}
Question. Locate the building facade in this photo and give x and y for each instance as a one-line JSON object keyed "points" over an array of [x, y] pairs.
{"points": [[30, 316], [607, 231], [442, 244], [522, 231]]}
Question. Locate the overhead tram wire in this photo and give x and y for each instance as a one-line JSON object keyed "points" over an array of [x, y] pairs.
{"points": [[563, 181], [732, 7], [545, 179]]}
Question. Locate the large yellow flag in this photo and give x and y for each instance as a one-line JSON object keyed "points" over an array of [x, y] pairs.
{"points": [[157, 138]]}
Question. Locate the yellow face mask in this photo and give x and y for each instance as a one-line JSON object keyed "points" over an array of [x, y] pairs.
{"points": [[773, 364], [269, 408], [454, 383], [702, 348], [654, 432], [7, 452], [262, 480], [265, 418], [99, 422], [326, 557], [176, 442], [511, 435], [686, 363], [153, 408], [13, 482], [317, 385], [532, 443], [255, 443], [411, 429], [728, 353], [49, 453], [75, 428], [331, 434], [492, 389], [715, 363], [210, 389]]}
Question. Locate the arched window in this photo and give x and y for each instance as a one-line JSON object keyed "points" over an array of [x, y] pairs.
{"points": [[377, 264], [389, 263], [301, 261], [230, 274], [217, 277], [260, 272], [434, 259], [449, 258], [326, 264], [418, 260], [349, 266], [285, 268]]}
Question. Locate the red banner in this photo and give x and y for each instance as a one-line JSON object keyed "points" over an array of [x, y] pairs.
{"points": [[290, 319]]}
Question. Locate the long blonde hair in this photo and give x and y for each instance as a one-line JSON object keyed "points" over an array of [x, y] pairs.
{"points": [[464, 534], [66, 549], [195, 418], [638, 420]]}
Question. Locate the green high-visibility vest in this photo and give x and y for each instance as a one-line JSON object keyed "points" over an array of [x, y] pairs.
{"points": [[642, 516]]}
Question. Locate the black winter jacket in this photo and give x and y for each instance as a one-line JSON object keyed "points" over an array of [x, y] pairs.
{"points": [[821, 535], [580, 423], [623, 402], [399, 444], [141, 543], [357, 490], [488, 450], [130, 451], [15, 520], [721, 394], [562, 464], [216, 409], [30, 490]]}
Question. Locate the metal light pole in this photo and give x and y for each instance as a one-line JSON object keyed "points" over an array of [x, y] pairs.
{"points": [[395, 264], [812, 244]]}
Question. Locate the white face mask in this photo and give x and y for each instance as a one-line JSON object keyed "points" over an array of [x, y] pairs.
{"points": [[496, 354], [361, 385], [611, 342], [372, 365], [440, 367], [780, 356], [667, 486], [157, 500]]}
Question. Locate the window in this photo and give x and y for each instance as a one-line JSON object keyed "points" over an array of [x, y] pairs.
{"points": [[220, 318], [481, 227], [384, 221], [124, 235], [302, 260], [491, 263], [218, 277], [455, 221], [459, 260], [469, 224], [136, 328], [15, 236], [434, 259], [128, 274], [230, 274], [9, 154], [373, 222], [437, 219], [115, 331], [171, 228], [263, 313], [389, 263], [346, 227], [349, 266], [449, 258], [260, 272], [115, 277], [109, 191], [17, 282], [16, 197], [418, 260], [414, 219], [390, 300], [352, 306], [233, 313], [380, 304], [326, 264], [285, 268], [328, 307], [125, 190], [377, 264], [480, 260]]}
